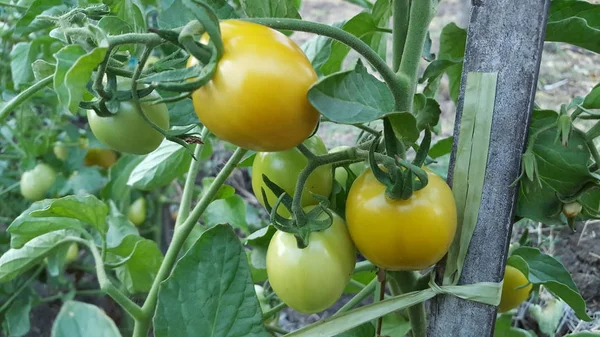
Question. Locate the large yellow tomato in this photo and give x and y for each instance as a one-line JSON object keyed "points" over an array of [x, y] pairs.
{"points": [[100, 157], [512, 293], [310, 280], [283, 168], [257, 96], [410, 234]]}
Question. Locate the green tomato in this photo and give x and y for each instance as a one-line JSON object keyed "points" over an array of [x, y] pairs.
{"points": [[137, 212], [310, 280], [61, 151], [35, 183], [126, 131], [283, 168], [72, 253], [341, 175]]}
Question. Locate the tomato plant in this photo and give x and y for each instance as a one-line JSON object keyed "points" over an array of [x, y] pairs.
{"points": [[311, 279], [410, 234], [134, 131]]}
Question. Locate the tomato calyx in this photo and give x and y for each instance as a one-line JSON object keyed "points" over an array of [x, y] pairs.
{"points": [[301, 224], [400, 177]]}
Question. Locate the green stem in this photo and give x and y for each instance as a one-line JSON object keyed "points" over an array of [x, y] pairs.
{"points": [[592, 133], [405, 282], [274, 310], [342, 36], [364, 266], [106, 285], [21, 288], [400, 23], [421, 13], [142, 326], [188, 188], [23, 96], [367, 129], [135, 38], [364, 293], [276, 329]]}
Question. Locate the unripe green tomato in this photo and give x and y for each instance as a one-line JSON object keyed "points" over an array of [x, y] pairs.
{"points": [[283, 168], [35, 183], [514, 291], [137, 212], [572, 209], [341, 175], [72, 253], [61, 151]]}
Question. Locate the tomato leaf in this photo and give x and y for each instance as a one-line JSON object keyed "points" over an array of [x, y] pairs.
{"points": [[404, 125], [141, 259], [87, 209], [574, 22], [441, 148], [78, 319], [36, 8], [427, 112], [116, 188], [87, 180], [77, 78], [128, 11], [211, 283], [182, 113], [65, 59], [17, 261], [230, 210], [16, 317], [503, 328], [113, 25], [364, 330], [395, 326], [26, 227], [592, 100], [119, 227], [176, 13], [270, 8], [160, 167], [546, 270], [21, 56], [352, 96], [453, 40]]}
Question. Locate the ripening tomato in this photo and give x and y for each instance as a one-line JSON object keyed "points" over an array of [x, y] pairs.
{"points": [[310, 280], [126, 131], [283, 168], [35, 183], [137, 211], [72, 253], [341, 175], [101, 157], [515, 289], [410, 234], [257, 96], [61, 151]]}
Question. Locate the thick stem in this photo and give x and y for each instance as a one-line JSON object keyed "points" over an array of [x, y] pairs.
{"points": [[181, 233], [24, 95], [364, 266], [400, 24], [421, 13], [405, 282], [188, 189], [342, 36], [274, 310]]}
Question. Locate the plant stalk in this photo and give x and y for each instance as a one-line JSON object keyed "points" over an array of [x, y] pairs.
{"points": [[23, 96], [405, 282]]}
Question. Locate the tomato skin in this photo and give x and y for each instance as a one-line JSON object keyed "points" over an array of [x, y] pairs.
{"points": [[101, 157], [61, 151], [283, 168], [310, 280], [511, 297], [341, 175], [408, 234], [126, 131], [36, 182], [257, 96], [72, 253], [137, 212]]}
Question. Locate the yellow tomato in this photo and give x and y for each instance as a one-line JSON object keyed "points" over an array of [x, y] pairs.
{"points": [[102, 157], [72, 253], [257, 96], [512, 293], [410, 234], [61, 151]]}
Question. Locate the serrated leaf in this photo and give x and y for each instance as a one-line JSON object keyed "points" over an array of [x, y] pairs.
{"points": [[36, 8], [546, 270], [79, 75], [88, 209], [78, 319], [351, 97], [212, 283], [270, 8], [428, 114], [176, 14], [113, 25], [26, 227], [574, 22], [405, 127], [17, 261], [128, 11], [159, 168], [182, 113], [143, 260], [21, 57]]}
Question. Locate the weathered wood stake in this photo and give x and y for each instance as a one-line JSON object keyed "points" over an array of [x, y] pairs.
{"points": [[504, 36]]}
